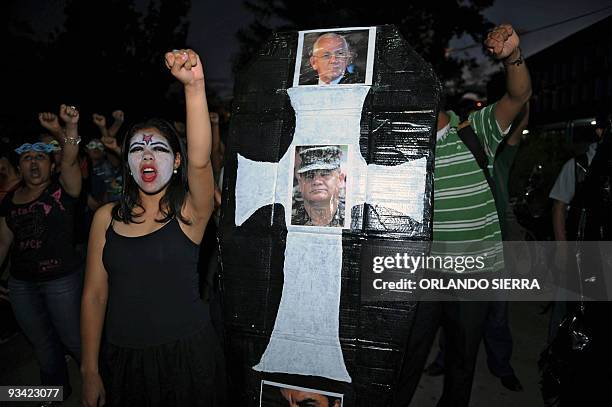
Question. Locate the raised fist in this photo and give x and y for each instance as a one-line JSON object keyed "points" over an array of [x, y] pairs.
{"points": [[69, 114], [49, 121], [110, 142], [185, 65], [118, 121], [502, 42], [99, 120], [118, 115]]}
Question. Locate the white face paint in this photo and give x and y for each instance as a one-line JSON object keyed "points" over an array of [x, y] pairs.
{"points": [[151, 160]]}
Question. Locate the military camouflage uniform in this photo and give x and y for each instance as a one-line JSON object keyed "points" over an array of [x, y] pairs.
{"points": [[299, 216], [316, 158]]}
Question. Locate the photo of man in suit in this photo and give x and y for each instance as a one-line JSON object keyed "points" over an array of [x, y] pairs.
{"points": [[331, 62]]}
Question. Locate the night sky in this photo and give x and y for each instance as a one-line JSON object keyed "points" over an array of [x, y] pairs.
{"points": [[214, 24]]}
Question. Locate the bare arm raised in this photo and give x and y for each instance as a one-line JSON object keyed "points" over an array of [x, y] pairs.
{"points": [[118, 118], [100, 121], [520, 124], [68, 137], [186, 66], [50, 122], [503, 44]]}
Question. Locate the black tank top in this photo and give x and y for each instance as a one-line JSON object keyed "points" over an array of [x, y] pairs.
{"points": [[153, 295]]}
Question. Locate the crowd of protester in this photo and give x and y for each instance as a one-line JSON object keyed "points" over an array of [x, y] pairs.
{"points": [[62, 195], [118, 200]]}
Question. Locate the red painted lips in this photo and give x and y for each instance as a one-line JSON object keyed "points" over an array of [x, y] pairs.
{"points": [[148, 173]]}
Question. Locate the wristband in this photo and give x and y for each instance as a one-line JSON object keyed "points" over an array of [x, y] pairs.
{"points": [[72, 140], [518, 61]]}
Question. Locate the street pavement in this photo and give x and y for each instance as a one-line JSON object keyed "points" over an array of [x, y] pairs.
{"points": [[529, 330], [18, 366]]}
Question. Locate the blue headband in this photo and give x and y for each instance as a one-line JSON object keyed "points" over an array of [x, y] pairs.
{"points": [[40, 147]]}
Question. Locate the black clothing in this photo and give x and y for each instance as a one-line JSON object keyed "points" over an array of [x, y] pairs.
{"points": [[348, 78], [184, 373], [585, 380], [43, 232], [162, 349], [153, 295], [106, 182], [464, 324]]}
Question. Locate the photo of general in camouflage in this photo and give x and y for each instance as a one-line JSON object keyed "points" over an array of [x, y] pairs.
{"points": [[319, 186]]}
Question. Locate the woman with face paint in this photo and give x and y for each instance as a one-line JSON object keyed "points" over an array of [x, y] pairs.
{"points": [[36, 226], [142, 280]]}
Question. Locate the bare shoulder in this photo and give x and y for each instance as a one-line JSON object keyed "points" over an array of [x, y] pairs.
{"points": [[103, 215]]}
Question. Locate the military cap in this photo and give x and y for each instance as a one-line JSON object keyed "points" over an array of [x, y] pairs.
{"points": [[319, 158]]}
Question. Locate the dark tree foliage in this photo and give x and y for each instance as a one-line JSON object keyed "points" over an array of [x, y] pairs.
{"points": [[107, 56], [19, 70], [117, 53], [428, 25]]}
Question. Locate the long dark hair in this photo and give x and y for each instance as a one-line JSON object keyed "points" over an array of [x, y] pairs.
{"points": [[171, 203]]}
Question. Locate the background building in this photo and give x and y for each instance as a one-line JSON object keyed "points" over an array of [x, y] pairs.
{"points": [[572, 79]]}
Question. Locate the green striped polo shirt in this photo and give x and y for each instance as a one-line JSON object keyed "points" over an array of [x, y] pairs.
{"points": [[465, 221]]}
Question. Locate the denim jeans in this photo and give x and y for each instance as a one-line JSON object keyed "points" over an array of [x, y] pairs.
{"points": [[48, 313]]}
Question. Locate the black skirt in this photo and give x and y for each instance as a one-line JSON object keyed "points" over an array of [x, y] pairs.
{"points": [[186, 372]]}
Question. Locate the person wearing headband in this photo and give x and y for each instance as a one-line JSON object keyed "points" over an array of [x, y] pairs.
{"points": [[37, 147], [36, 229], [95, 144]]}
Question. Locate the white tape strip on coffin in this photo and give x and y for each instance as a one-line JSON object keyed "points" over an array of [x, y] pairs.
{"points": [[381, 189], [256, 186], [255, 183], [305, 337]]}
